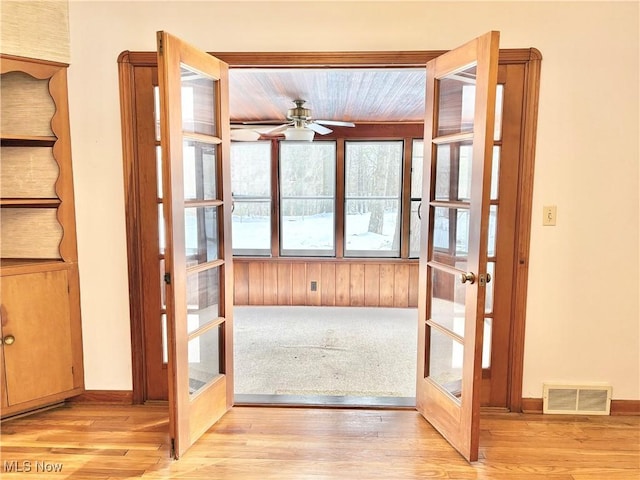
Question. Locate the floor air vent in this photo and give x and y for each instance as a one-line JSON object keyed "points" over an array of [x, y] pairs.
{"points": [[576, 399]]}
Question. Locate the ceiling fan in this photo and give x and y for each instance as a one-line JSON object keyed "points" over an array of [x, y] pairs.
{"points": [[301, 127]]}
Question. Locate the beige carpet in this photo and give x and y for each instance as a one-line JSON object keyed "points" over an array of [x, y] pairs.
{"points": [[337, 351]]}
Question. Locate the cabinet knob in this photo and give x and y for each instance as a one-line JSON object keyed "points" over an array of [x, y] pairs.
{"points": [[9, 340]]}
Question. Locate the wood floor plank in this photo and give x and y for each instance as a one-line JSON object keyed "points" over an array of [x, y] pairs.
{"points": [[114, 442]]}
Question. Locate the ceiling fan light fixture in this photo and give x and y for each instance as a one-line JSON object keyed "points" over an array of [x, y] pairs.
{"points": [[299, 134]]}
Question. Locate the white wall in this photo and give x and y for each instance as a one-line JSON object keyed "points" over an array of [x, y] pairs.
{"points": [[583, 317]]}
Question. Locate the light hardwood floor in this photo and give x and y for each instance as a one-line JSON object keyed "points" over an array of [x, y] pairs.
{"points": [[115, 442]]}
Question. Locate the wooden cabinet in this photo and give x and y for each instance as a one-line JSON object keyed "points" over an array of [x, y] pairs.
{"points": [[41, 357]]}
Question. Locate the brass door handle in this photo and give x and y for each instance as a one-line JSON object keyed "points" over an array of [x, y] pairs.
{"points": [[468, 277], [9, 340]]}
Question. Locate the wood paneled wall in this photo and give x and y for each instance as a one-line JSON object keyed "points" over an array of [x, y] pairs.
{"points": [[341, 282]]}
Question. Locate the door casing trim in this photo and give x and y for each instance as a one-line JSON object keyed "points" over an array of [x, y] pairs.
{"points": [[530, 57]]}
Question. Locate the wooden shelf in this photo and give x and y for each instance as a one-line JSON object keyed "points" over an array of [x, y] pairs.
{"points": [[27, 140], [17, 266], [30, 202]]}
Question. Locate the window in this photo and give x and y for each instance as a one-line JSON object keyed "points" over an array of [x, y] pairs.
{"points": [[251, 191], [373, 182], [307, 198]]}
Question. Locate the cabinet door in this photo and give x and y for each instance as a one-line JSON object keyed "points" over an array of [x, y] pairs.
{"points": [[3, 385], [36, 314]]}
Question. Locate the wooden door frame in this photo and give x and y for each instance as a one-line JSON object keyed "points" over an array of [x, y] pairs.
{"points": [[530, 58]]}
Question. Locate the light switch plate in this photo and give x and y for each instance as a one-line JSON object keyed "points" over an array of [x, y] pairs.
{"points": [[549, 214]]}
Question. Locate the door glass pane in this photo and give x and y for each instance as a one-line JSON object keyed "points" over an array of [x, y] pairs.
{"points": [[497, 131], [251, 191], [441, 229], [445, 362], [163, 286], [198, 102], [464, 172], [165, 338], [201, 234], [159, 170], [486, 343], [451, 230], [453, 171], [459, 98], [493, 225], [161, 242], [495, 172], [156, 111], [443, 172], [456, 102], [204, 359], [203, 298], [462, 232], [447, 301], [199, 165], [488, 303]]}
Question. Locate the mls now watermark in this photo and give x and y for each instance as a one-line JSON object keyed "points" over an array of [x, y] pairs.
{"points": [[31, 466]]}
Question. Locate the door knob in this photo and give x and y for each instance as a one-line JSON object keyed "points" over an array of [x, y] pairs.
{"points": [[9, 340], [468, 277]]}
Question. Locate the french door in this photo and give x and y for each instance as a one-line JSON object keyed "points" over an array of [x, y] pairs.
{"points": [[438, 397], [194, 129], [459, 124]]}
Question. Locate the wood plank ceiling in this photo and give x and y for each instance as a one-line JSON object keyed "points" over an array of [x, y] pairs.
{"points": [[359, 95]]}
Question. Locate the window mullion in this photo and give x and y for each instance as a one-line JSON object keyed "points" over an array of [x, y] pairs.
{"points": [[275, 198], [339, 218], [405, 204]]}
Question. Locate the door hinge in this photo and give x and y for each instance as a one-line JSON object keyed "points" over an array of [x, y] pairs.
{"points": [[167, 278], [160, 44], [172, 452]]}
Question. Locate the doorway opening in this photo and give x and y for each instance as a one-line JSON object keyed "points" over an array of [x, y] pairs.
{"points": [[503, 376]]}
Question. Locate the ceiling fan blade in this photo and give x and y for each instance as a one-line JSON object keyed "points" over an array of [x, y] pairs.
{"points": [[337, 123], [273, 130], [318, 128], [260, 122], [244, 135]]}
